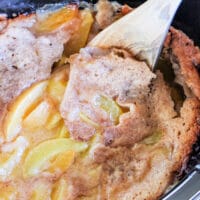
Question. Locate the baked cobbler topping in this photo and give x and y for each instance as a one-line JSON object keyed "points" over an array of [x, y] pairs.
{"points": [[102, 125]]}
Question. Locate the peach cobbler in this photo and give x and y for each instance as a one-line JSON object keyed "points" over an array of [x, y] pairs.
{"points": [[87, 123]]}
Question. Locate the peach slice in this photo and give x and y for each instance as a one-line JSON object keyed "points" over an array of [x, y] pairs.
{"points": [[110, 106], [63, 132], [18, 109], [57, 84], [56, 19], [53, 120], [56, 89], [38, 117], [152, 139], [62, 161], [11, 156], [87, 120], [39, 158], [79, 39], [59, 191]]}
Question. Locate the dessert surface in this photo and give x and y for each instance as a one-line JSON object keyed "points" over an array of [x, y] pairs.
{"points": [[85, 123]]}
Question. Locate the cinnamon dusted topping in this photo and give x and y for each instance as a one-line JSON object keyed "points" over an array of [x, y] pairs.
{"points": [[97, 75], [135, 141], [26, 58]]}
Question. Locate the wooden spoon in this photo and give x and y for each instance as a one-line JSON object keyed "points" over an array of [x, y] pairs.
{"points": [[142, 31]]}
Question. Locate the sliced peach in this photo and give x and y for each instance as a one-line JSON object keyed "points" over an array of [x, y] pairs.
{"points": [[59, 191], [57, 84], [39, 158], [55, 19], [79, 39], [110, 106], [54, 120], [62, 161], [61, 73], [11, 156], [56, 89], [20, 107], [87, 120], [63, 131], [152, 139], [38, 117]]}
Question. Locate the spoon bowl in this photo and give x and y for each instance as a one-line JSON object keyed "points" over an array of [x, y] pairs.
{"points": [[142, 31]]}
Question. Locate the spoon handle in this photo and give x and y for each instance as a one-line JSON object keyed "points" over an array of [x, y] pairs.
{"points": [[142, 31]]}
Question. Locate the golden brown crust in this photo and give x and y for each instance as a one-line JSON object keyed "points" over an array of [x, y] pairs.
{"points": [[190, 113], [182, 129], [145, 171], [182, 51]]}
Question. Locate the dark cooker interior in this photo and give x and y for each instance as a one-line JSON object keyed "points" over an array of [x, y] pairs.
{"points": [[186, 19]]}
